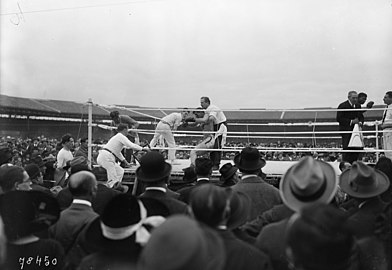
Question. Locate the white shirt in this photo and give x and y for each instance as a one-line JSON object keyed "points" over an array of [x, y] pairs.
{"points": [[63, 156], [217, 113], [118, 142], [173, 119], [388, 115]]}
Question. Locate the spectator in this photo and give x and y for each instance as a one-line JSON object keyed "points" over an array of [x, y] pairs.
{"points": [[14, 178], [63, 156], [229, 176], [263, 195]]}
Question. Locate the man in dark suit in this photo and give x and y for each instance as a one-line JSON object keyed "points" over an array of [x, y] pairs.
{"points": [[203, 172], [74, 220], [347, 120], [154, 172], [263, 195]]}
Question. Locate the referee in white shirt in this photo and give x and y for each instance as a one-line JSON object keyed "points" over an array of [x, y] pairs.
{"points": [[215, 114]]}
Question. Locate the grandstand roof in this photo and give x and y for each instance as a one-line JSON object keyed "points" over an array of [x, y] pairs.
{"points": [[69, 109]]}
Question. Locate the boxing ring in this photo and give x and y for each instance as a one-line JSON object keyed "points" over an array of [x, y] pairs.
{"points": [[274, 170]]}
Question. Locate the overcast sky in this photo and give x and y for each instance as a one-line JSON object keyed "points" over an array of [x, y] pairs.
{"points": [[169, 53]]}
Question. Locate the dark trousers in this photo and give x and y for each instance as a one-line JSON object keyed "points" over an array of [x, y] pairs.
{"points": [[216, 156], [348, 156]]}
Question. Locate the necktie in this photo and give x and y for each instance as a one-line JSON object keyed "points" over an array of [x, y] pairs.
{"points": [[383, 117]]}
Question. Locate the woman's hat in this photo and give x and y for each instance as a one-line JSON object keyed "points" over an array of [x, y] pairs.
{"points": [[362, 181], [183, 243], [308, 181], [227, 171], [240, 205], [124, 222], [153, 167], [249, 159]]}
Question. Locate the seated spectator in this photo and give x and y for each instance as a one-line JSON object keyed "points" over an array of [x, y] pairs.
{"points": [[36, 178], [364, 185], [317, 238], [307, 182], [181, 243], [119, 235], [210, 205], [31, 212]]}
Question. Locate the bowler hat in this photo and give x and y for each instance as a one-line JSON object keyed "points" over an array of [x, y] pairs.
{"points": [[153, 167], [249, 159], [123, 222], [227, 171], [240, 205], [308, 181], [183, 243], [362, 181]]}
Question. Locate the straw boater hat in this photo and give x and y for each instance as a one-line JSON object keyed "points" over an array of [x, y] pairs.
{"points": [[249, 159], [362, 181], [153, 167], [308, 181]]}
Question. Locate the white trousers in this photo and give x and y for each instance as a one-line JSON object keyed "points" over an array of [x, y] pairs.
{"points": [[387, 140], [165, 131], [207, 143], [114, 171]]}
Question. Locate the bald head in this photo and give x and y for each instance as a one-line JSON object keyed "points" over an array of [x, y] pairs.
{"points": [[82, 184]]}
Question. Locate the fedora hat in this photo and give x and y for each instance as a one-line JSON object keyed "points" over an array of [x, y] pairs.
{"points": [[183, 243], [153, 167], [122, 223], [362, 181], [240, 205], [249, 159], [227, 171], [308, 181], [189, 174]]}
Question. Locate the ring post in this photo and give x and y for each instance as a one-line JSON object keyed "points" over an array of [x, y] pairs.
{"points": [[90, 130], [377, 153]]}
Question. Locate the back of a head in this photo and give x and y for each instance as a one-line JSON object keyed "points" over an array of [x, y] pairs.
{"points": [[82, 184], [203, 166], [100, 174], [209, 204], [114, 114], [317, 238]]}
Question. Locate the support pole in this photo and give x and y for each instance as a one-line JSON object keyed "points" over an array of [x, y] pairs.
{"points": [[90, 130], [377, 153]]}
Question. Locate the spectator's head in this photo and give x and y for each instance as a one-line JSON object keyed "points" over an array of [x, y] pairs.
{"points": [[205, 102], [353, 97], [84, 142], [100, 174], [181, 243], [210, 204], [249, 161], [14, 178], [67, 141], [5, 153], [34, 173], [114, 114], [317, 238], [229, 174], [123, 223], [362, 98], [203, 167], [83, 185], [344, 165], [384, 164], [307, 182], [199, 112], [153, 168], [362, 181], [189, 174], [77, 164]]}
